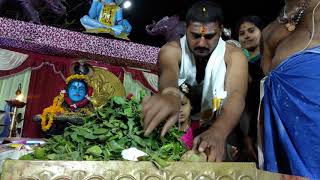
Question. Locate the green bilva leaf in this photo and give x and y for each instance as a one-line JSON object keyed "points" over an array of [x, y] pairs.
{"points": [[160, 163], [75, 155], [103, 115], [58, 138], [100, 131], [118, 100], [52, 156], [138, 140], [115, 146], [128, 112], [107, 124], [123, 126], [115, 126], [130, 124], [91, 136], [167, 147], [142, 94], [94, 150], [26, 157], [39, 153], [88, 158], [81, 132], [74, 137], [102, 138]]}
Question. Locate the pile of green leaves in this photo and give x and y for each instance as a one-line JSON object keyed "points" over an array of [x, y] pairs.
{"points": [[115, 126]]}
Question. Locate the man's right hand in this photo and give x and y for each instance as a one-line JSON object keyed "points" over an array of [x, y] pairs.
{"points": [[158, 108]]}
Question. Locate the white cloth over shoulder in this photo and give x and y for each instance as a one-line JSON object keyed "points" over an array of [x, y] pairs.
{"points": [[215, 72], [10, 59]]}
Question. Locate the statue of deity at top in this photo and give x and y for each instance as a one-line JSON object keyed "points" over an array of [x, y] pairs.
{"points": [[105, 16]]}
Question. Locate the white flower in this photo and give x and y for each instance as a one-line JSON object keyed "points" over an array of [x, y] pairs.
{"points": [[132, 154], [185, 88]]}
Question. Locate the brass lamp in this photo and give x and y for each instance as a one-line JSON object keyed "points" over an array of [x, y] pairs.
{"points": [[15, 103]]}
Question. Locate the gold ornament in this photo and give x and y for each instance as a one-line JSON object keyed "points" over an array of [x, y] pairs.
{"points": [[290, 27], [105, 85]]}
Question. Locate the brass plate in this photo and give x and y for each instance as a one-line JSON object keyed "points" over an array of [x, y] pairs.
{"points": [[127, 170], [105, 85]]}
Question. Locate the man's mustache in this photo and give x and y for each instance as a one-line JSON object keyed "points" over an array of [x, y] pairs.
{"points": [[201, 49]]}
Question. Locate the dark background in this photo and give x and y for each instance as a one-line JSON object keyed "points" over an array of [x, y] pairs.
{"points": [[142, 12]]}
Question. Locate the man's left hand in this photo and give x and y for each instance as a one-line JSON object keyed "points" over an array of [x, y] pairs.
{"points": [[212, 143]]}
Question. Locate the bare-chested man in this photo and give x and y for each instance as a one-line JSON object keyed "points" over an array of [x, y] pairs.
{"points": [[216, 72], [291, 59]]}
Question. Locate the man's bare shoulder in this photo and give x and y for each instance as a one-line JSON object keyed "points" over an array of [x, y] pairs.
{"points": [[171, 46], [233, 52], [170, 51], [231, 48]]}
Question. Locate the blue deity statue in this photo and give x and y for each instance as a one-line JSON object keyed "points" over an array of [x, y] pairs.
{"points": [[77, 91], [105, 16]]}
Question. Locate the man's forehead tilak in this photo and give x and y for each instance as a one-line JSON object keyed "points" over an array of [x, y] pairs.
{"points": [[204, 29]]}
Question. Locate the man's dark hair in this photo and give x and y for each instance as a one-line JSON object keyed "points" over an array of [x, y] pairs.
{"points": [[204, 11], [251, 19]]}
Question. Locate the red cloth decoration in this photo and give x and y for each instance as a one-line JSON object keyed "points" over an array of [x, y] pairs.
{"points": [[61, 64], [43, 87], [45, 84]]}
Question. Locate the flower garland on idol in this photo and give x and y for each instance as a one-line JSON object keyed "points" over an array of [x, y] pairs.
{"points": [[49, 113]]}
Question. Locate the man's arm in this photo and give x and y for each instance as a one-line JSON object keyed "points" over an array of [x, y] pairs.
{"points": [[213, 140], [236, 86], [164, 106], [169, 58]]}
